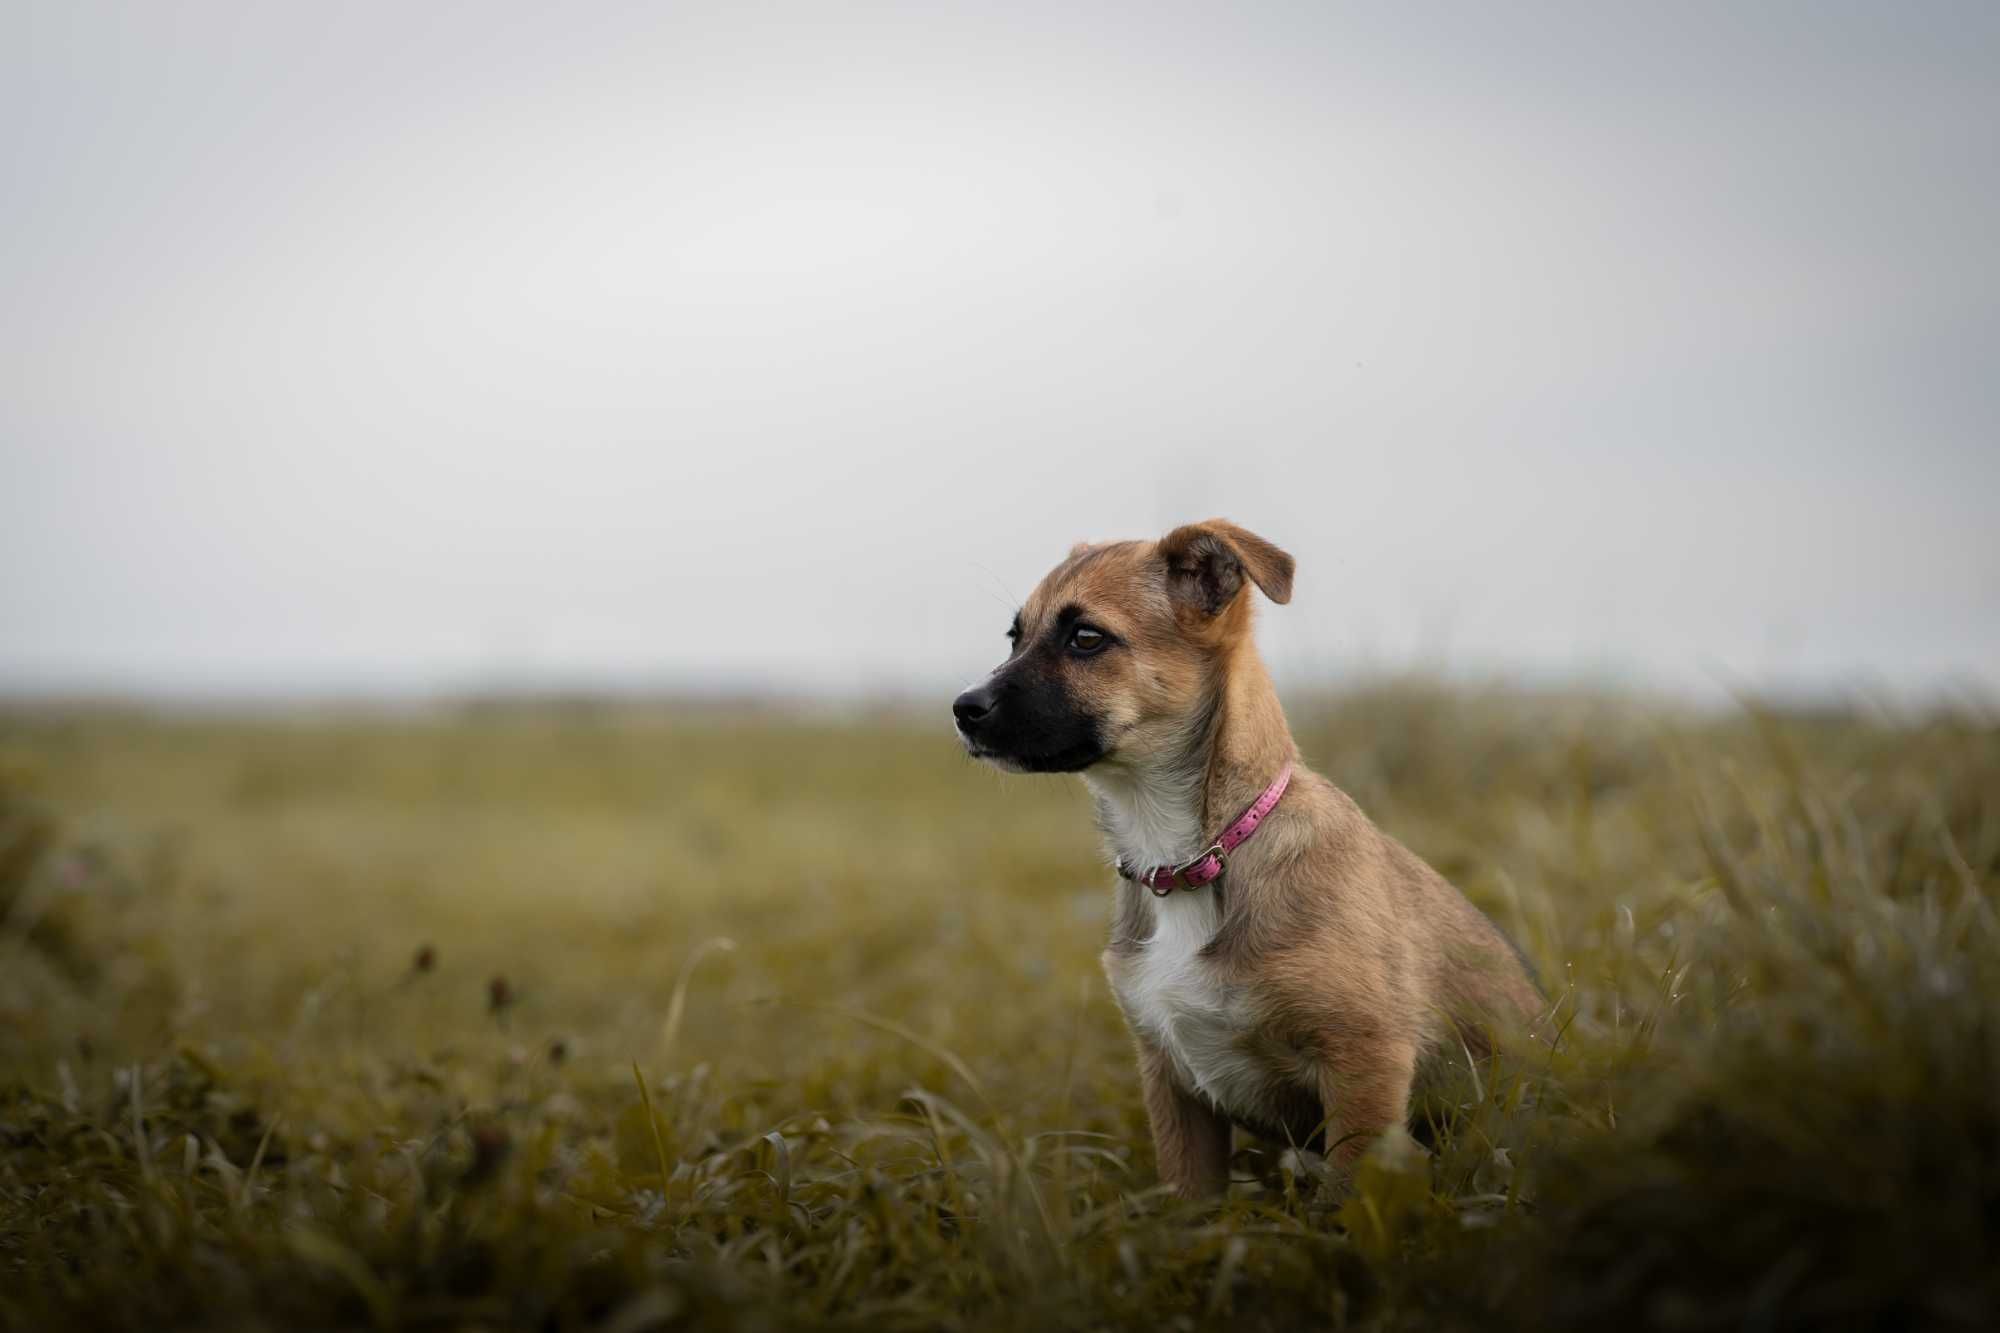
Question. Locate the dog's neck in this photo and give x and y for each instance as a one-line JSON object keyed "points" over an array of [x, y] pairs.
{"points": [[1162, 809]]}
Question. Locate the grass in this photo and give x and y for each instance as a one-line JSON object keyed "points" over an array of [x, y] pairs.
{"points": [[635, 1018]]}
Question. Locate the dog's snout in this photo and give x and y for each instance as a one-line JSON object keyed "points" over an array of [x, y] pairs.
{"points": [[974, 706]]}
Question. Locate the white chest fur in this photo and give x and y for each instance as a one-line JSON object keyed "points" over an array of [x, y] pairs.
{"points": [[1172, 995]]}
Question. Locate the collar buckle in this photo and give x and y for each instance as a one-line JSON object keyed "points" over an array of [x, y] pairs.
{"points": [[1178, 875]]}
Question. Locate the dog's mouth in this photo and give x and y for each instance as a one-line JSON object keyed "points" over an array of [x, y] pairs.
{"points": [[988, 755], [1067, 759]]}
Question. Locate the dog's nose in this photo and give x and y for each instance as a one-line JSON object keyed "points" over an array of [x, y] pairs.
{"points": [[973, 707]]}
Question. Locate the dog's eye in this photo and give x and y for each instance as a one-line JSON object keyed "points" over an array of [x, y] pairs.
{"points": [[1084, 639]]}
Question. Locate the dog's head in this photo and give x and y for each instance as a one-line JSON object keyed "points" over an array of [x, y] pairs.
{"points": [[1117, 649]]}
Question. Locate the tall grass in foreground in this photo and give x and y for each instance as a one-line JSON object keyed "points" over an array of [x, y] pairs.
{"points": [[421, 1023]]}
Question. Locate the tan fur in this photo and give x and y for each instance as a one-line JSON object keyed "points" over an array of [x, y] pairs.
{"points": [[1190, 1136], [1347, 957]]}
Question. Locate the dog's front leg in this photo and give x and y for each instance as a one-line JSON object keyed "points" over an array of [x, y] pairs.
{"points": [[1363, 1090], [1190, 1137]]}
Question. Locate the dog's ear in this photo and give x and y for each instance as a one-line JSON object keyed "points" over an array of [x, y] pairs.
{"points": [[1206, 563]]}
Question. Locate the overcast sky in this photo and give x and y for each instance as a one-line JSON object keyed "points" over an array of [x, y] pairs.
{"points": [[416, 346]]}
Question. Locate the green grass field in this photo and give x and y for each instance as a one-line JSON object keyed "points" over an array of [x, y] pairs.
{"points": [[631, 1018]]}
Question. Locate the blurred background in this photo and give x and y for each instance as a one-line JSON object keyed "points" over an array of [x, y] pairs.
{"points": [[386, 350]]}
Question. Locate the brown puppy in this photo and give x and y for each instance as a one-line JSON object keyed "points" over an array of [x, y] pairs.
{"points": [[1296, 993]]}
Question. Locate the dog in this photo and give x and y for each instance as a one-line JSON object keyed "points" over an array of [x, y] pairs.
{"points": [[1282, 963]]}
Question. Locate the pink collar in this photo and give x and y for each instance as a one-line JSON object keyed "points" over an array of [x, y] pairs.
{"points": [[1206, 864]]}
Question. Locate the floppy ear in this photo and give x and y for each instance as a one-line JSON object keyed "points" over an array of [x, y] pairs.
{"points": [[1207, 562]]}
